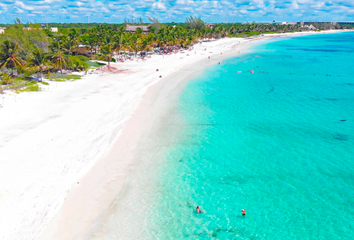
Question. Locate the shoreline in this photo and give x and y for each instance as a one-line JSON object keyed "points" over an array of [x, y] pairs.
{"points": [[109, 184], [94, 163]]}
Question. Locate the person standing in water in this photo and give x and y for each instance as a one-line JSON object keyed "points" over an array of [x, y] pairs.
{"points": [[199, 210], [243, 212]]}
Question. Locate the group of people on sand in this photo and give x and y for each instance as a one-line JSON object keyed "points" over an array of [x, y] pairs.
{"points": [[199, 210]]}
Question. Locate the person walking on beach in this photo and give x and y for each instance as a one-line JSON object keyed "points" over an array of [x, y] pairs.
{"points": [[243, 212], [199, 210]]}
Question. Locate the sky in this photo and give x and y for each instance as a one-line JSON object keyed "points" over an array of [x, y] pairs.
{"points": [[112, 11]]}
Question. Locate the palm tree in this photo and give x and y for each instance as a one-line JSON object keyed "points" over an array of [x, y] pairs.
{"points": [[91, 42], [69, 45], [9, 56], [127, 42], [137, 42], [78, 63], [108, 53], [146, 45], [119, 43], [55, 47], [59, 60], [38, 61]]}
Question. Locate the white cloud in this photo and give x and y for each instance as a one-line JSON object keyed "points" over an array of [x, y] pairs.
{"points": [[19, 10], [105, 10], [215, 4], [23, 6], [295, 5], [185, 2], [51, 1], [178, 10], [159, 5]]}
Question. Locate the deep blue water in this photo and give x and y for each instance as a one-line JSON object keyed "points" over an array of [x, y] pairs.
{"points": [[278, 142]]}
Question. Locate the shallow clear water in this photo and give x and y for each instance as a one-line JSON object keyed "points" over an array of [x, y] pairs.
{"points": [[278, 142], [274, 142]]}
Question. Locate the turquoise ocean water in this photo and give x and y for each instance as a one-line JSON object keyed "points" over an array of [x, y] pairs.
{"points": [[278, 142]]}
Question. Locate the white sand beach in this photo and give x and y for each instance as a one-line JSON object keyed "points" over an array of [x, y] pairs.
{"points": [[59, 146]]}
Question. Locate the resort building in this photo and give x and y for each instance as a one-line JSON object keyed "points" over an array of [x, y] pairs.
{"points": [[134, 28], [2, 30], [54, 29]]}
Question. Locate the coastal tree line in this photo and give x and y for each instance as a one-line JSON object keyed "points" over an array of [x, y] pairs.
{"points": [[32, 49]]}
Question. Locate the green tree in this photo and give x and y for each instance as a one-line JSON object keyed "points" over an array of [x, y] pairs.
{"points": [[6, 79], [60, 60], [28, 38], [9, 56], [107, 51], [39, 62], [78, 63], [194, 23]]}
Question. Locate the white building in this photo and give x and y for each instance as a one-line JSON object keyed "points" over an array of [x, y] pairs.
{"points": [[54, 29], [2, 30]]}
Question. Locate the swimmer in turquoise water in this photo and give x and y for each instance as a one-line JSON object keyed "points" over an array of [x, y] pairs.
{"points": [[199, 210]]}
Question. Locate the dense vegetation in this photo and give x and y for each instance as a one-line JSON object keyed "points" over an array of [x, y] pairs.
{"points": [[31, 49]]}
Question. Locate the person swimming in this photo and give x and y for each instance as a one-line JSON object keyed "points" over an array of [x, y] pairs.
{"points": [[199, 210], [243, 212]]}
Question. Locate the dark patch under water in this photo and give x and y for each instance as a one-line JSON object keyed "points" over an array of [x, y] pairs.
{"points": [[271, 89], [213, 233], [341, 137], [332, 99]]}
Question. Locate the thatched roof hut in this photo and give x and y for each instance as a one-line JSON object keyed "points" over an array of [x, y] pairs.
{"points": [[310, 27]]}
